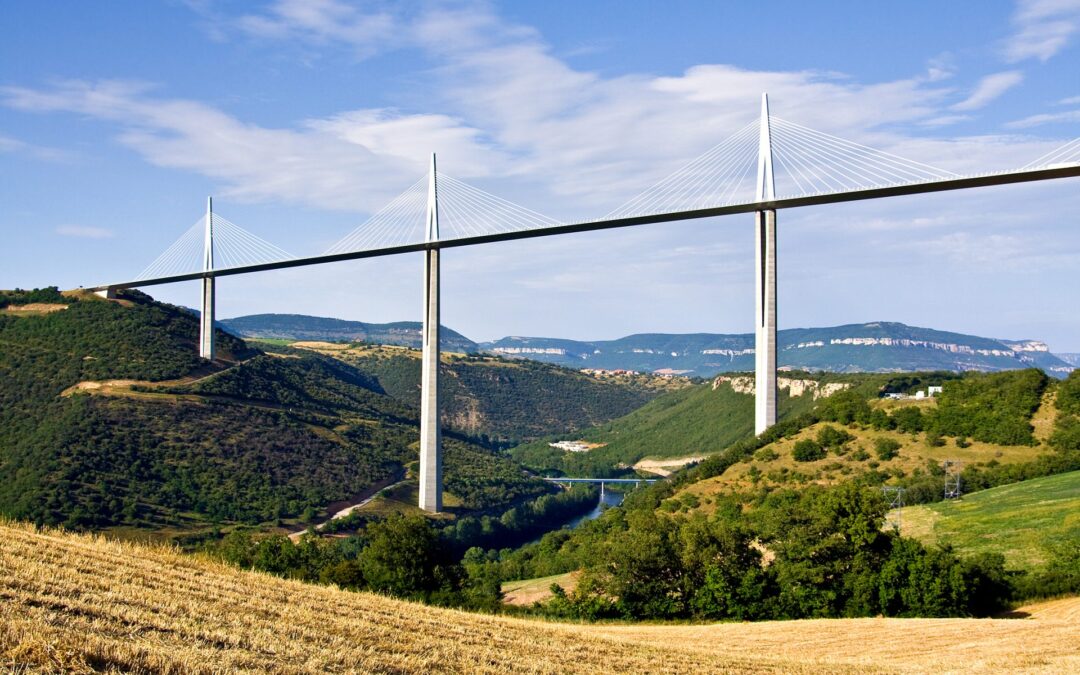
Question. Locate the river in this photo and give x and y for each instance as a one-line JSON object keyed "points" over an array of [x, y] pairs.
{"points": [[609, 498]]}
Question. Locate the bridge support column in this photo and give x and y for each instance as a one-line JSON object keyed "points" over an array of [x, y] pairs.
{"points": [[765, 331], [430, 432], [206, 309], [765, 283], [109, 293]]}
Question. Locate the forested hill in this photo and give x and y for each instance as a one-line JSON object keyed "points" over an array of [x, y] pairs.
{"points": [[301, 327], [108, 417], [505, 400], [795, 523]]}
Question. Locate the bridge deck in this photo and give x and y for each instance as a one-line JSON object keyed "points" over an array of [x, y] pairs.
{"points": [[1005, 178]]}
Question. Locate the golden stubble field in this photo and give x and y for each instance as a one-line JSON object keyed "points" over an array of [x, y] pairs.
{"points": [[78, 603]]}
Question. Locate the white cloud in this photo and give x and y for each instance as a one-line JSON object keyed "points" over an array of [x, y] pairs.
{"points": [[566, 142], [14, 145], [989, 88], [1045, 118], [85, 232], [1043, 28], [945, 120], [322, 20], [356, 160]]}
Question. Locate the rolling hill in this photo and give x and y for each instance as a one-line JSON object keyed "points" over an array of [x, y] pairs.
{"points": [[1023, 521], [696, 421], [133, 608], [317, 328], [108, 418], [504, 400]]}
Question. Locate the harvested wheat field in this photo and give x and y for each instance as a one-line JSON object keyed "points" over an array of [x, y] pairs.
{"points": [[78, 603]]}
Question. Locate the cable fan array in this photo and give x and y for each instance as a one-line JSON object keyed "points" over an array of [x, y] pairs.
{"points": [[1065, 155], [813, 162], [805, 162], [464, 211], [721, 176], [233, 247]]}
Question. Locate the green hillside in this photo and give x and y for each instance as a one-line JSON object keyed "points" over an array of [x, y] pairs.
{"points": [[697, 421], [1026, 522], [108, 417], [504, 400], [794, 523]]}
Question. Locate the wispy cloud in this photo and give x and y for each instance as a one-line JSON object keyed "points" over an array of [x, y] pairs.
{"points": [[989, 88], [44, 154], [1045, 118], [1043, 28], [85, 232], [568, 142], [323, 20]]}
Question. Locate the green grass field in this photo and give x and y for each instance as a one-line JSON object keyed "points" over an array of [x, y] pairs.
{"points": [[1019, 520]]}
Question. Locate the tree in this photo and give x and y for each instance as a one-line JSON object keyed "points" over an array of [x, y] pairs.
{"points": [[402, 557], [886, 448], [807, 450]]}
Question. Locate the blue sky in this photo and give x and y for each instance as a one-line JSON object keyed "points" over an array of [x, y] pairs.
{"points": [[303, 118]]}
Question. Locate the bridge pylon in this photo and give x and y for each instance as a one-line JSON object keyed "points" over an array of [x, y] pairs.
{"points": [[430, 433], [765, 283], [206, 310]]}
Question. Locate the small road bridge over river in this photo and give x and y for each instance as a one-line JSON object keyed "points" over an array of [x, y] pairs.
{"points": [[769, 165], [602, 481]]}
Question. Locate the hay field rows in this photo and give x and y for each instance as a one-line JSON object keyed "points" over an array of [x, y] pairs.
{"points": [[78, 603]]}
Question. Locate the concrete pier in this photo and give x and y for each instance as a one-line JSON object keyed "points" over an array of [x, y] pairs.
{"points": [[430, 433], [206, 321], [206, 316], [765, 326], [765, 283]]}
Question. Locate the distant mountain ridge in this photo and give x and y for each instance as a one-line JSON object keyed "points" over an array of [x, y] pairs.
{"points": [[869, 347], [303, 327], [879, 346]]}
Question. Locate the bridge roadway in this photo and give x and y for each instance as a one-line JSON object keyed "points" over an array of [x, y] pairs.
{"points": [[603, 480], [986, 180]]}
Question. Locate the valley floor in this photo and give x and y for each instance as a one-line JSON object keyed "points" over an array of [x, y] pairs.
{"points": [[81, 603]]}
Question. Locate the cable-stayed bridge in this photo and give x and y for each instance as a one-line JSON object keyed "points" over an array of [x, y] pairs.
{"points": [[769, 165]]}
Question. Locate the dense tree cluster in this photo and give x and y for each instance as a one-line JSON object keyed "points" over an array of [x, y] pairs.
{"points": [[411, 557], [49, 294], [819, 552], [993, 408]]}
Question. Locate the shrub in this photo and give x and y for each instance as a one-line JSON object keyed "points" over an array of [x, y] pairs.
{"points": [[934, 439], [886, 448], [831, 438], [766, 455], [808, 450]]}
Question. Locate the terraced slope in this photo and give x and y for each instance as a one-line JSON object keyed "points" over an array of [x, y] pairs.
{"points": [[80, 603]]}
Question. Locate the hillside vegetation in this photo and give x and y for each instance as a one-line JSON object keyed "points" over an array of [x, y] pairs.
{"points": [[790, 524], [127, 607], [1029, 522], [696, 421], [504, 400], [170, 442]]}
